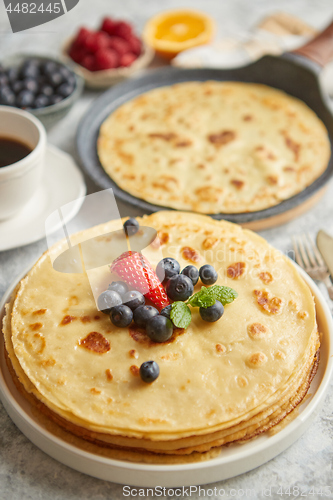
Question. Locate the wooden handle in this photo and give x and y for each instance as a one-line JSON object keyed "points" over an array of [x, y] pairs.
{"points": [[320, 48]]}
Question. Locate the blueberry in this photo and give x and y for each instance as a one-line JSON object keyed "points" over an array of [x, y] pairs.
{"points": [[54, 99], [121, 316], [17, 86], [30, 84], [4, 80], [131, 227], [7, 97], [166, 311], [55, 78], [41, 101], [107, 300], [49, 67], [179, 287], [30, 69], [208, 274], [46, 90], [149, 371], [67, 74], [192, 273], [13, 74], [167, 268], [212, 313], [119, 287], [65, 89], [143, 314], [25, 99], [159, 328], [133, 299]]}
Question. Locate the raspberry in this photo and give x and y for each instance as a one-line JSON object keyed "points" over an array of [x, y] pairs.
{"points": [[96, 41], [127, 59], [88, 62], [135, 44], [81, 37], [119, 45], [106, 59], [77, 54], [122, 29], [108, 25]]}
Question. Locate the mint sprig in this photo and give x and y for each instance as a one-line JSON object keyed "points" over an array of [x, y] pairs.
{"points": [[224, 294], [180, 314]]}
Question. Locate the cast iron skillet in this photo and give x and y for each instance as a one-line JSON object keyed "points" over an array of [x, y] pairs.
{"points": [[295, 73]]}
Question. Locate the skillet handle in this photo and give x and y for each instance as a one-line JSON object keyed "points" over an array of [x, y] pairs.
{"points": [[320, 48]]}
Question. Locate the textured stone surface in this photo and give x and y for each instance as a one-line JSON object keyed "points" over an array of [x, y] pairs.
{"points": [[25, 471]]}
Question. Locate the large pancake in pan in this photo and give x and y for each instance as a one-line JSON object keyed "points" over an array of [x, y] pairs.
{"points": [[218, 382], [214, 147]]}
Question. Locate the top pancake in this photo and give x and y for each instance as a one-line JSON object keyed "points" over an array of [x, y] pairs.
{"points": [[214, 147], [212, 376]]}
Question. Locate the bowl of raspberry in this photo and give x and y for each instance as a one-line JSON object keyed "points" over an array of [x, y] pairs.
{"points": [[107, 55]]}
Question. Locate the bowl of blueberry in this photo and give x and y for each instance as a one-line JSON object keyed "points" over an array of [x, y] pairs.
{"points": [[43, 86]]}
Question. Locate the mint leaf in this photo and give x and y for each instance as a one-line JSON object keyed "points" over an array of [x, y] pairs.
{"points": [[202, 299], [224, 294], [180, 314]]}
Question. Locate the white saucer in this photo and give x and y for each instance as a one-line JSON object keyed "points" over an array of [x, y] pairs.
{"points": [[62, 183], [233, 460]]}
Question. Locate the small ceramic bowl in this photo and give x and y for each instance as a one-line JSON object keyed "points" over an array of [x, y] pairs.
{"points": [[55, 112], [106, 78]]}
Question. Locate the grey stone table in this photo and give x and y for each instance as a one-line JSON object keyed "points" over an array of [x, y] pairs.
{"points": [[28, 473]]}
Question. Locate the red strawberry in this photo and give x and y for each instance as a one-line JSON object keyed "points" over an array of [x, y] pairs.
{"points": [[127, 59], [137, 272], [106, 59]]}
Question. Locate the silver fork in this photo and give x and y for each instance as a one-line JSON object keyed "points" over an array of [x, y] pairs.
{"points": [[308, 257]]}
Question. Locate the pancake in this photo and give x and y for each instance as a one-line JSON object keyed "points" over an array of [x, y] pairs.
{"points": [[214, 147], [219, 382]]}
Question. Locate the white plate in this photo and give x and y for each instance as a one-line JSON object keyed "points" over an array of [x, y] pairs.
{"points": [[62, 183], [233, 460]]}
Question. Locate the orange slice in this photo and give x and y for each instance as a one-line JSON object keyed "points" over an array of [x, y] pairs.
{"points": [[173, 31]]}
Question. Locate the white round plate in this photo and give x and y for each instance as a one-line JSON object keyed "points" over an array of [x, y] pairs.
{"points": [[62, 183], [233, 460]]}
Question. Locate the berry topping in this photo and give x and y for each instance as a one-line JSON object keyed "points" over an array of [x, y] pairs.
{"points": [[166, 311], [149, 371], [143, 314], [131, 226], [107, 300], [179, 287], [119, 287], [134, 299], [208, 275], [212, 313], [159, 328], [167, 268], [192, 273], [121, 316], [137, 272]]}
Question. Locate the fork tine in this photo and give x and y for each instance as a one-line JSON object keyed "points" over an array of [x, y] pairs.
{"points": [[303, 252], [309, 249], [316, 253], [297, 254]]}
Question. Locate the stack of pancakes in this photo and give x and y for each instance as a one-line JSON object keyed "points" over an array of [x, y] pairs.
{"points": [[219, 383]]}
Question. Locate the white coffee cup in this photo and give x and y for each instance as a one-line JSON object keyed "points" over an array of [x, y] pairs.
{"points": [[20, 180]]}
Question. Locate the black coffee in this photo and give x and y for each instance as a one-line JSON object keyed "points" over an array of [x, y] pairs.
{"points": [[12, 150]]}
